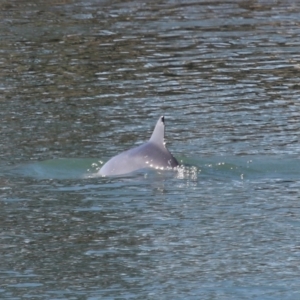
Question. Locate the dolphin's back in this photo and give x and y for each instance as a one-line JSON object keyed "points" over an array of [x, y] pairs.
{"points": [[148, 155]]}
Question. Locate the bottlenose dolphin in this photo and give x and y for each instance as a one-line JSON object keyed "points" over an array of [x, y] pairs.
{"points": [[152, 154]]}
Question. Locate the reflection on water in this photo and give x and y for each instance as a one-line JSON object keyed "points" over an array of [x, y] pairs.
{"points": [[82, 81]]}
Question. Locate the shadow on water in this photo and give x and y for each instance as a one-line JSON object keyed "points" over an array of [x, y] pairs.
{"points": [[215, 168]]}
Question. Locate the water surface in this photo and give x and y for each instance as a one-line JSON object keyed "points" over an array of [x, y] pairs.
{"points": [[83, 81]]}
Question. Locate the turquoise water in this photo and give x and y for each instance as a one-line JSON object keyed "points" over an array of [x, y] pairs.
{"points": [[242, 168], [83, 81]]}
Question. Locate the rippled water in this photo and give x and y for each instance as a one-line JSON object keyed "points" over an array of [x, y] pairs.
{"points": [[84, 80]]}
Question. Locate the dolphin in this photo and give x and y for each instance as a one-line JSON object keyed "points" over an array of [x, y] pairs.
{"points": [[152, 154]]}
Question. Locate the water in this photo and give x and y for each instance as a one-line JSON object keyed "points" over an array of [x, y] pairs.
{"points": [[82, 81]]}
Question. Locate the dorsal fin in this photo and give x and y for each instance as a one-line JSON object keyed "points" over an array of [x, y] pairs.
{"points": [[158, 135]]}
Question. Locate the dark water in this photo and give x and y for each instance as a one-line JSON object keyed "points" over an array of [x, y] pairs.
{"points": [[84, 80]]}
